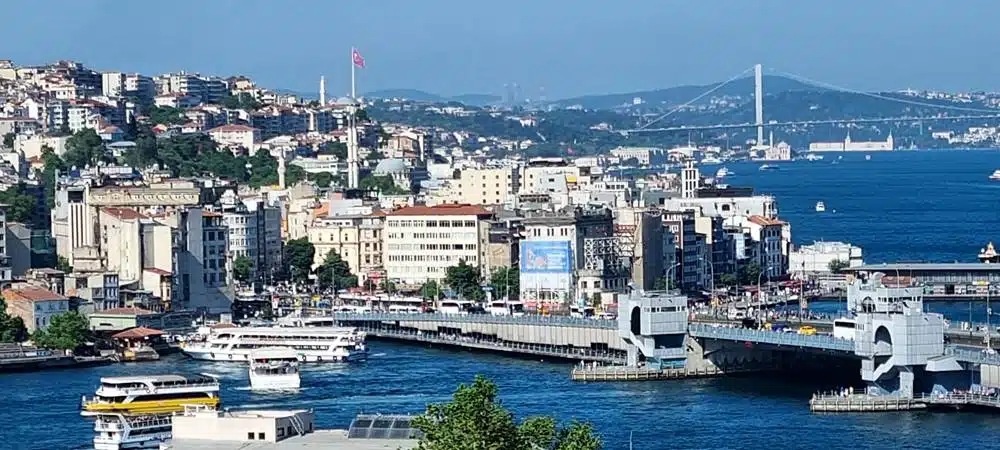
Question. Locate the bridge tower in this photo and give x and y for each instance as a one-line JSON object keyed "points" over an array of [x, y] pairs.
{"points": [[654, 325], [900, 345], [758, 93]]}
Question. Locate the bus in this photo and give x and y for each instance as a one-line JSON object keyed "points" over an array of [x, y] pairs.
{"points": [[504, 308], [583, 312], [843, 328]]}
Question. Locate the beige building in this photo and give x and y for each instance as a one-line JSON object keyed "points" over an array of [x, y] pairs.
{"points": [[486, 186], [422, 242], [35, 306], [356, 238], [236, 136]]}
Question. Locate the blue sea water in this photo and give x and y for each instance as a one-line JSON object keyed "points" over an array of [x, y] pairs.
{"points": [[929, 206]]}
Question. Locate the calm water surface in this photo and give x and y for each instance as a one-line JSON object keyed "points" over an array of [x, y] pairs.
{"points": [[927, 206]]}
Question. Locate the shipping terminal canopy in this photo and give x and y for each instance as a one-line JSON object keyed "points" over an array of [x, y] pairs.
{"points": [[374, 426]]}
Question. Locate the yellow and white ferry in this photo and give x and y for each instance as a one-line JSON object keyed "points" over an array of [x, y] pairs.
{"points": [[156, 394]]}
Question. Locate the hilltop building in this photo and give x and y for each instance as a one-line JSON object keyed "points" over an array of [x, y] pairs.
{"points": [[853, 146]]}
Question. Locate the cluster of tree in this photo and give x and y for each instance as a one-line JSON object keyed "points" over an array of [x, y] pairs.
{"points": [[465, 281], [24, 206], [242, 268], [335, 273], [12, 328], [382, 184], [475, 419], [166, 115], [66, 331], [8, 140], [243, 100], [299, 254], [836, 266]]}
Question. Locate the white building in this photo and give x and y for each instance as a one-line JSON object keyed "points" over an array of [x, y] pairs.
{"points": [[767, 232], [236, 137], [254, 233], [853, 146], [815, 258], [422, 242]]}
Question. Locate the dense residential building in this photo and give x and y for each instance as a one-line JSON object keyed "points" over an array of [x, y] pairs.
{"points": [[236, 137], [422, 242], [771, 255], [254, 233], [486, 186], [35, 306]]}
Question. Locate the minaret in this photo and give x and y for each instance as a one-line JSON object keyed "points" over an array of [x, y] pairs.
{"points": [[281, 170], [322, 90], [353, 171]]}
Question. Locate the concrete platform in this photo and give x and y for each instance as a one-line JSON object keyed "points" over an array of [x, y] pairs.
{"points": [[863, 403]]}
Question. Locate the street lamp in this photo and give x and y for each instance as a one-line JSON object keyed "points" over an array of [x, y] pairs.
{"points": [[668, 275], [760, 296]]}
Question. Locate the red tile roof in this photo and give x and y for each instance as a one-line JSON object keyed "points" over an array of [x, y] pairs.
{"points": [[30, 294], [130, 311], [158, 271], [137, 333], [441, 210], [764, 221], [123, 213]]}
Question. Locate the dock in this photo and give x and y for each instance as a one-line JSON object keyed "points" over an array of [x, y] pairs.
{"points": [[624, 373], [863, 403]]}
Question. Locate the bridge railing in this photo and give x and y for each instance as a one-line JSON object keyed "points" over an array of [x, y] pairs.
{"points": [[973, 355], [559, 321], [771, 337]]}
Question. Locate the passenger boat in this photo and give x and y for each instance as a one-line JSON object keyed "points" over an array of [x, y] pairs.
{"points": [[312, 344], [768, 167], [274, 368], [996, 175], [156, 394], [722, 173], [820, 207], [121, 431]]}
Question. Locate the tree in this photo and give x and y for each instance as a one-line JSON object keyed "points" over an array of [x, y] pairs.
{"points": [[383, 184], [166, 115], [387, 286], [836, 266], [53, 164], [475, 419], [8, 140], [464, 280], [338, 149], [84, 148], [749, 273], [322, 179], [335, 272], [22, 206], [430, 291], [506, 283], [66, 331], [242, 266], [299, 255], [728, 279], [243, 100], [12, 328], [63, 265], [660, 284]]}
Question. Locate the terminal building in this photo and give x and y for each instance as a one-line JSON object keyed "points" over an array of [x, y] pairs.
{"points": [[941, 280]]}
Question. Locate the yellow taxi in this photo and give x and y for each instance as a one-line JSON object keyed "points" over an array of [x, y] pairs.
{"points": [[807, 330]]}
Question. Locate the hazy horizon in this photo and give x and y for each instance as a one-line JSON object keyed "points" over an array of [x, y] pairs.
{"points": [[450, 47]]}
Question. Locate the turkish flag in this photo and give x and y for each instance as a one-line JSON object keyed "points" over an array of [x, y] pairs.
{"points": [[357, 58]]}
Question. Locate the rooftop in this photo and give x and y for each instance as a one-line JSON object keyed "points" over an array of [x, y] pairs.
{"points": [[231, 128], [137, 333], [441, 210], [158, 271], [125, 312], [926, 267], [336, 439], [123, 213], [764, 221], [30, 294]]}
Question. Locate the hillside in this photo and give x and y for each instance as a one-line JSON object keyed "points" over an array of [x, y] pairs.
{"points": [[681, 94], [423, 96]]}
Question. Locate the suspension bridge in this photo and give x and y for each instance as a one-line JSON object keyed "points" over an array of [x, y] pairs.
{"points": [[966, 113]]}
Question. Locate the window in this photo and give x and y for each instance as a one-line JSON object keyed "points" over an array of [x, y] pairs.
{"points": [[260, 436], [250, 436]]}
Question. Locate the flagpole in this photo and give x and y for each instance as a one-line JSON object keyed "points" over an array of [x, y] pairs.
{"points": [[353, 95]]}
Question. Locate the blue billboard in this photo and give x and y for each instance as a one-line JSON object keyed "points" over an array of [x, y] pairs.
{"points": [[546, 257]]}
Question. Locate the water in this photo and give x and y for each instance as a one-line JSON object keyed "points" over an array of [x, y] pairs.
{"points": [[929, 206]]}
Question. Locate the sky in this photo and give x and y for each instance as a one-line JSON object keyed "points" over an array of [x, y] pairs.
{"points": [[564, 47]]}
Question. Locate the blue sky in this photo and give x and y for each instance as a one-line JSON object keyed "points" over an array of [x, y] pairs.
{"points": [[568, 47]]}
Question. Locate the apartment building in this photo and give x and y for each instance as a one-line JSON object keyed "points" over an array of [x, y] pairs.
{"points": [[767, 233], [422, 242], [35, 306], [236, 137], [357, 238], [486, 186], [254, 233]]}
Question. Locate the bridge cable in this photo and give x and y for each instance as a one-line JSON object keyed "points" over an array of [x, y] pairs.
{"points": [[678, 108], [881, 97]]}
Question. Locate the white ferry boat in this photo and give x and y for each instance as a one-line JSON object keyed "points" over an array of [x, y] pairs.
{"points": [[768, 167], [275, 368], [820, 207], [122, 431], [722, 173], [157, 394], [711, 160], [996, 175], [313, 344], [813, 157]]}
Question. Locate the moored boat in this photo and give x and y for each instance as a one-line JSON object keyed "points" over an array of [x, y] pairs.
{"points": [[312, 344]]}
